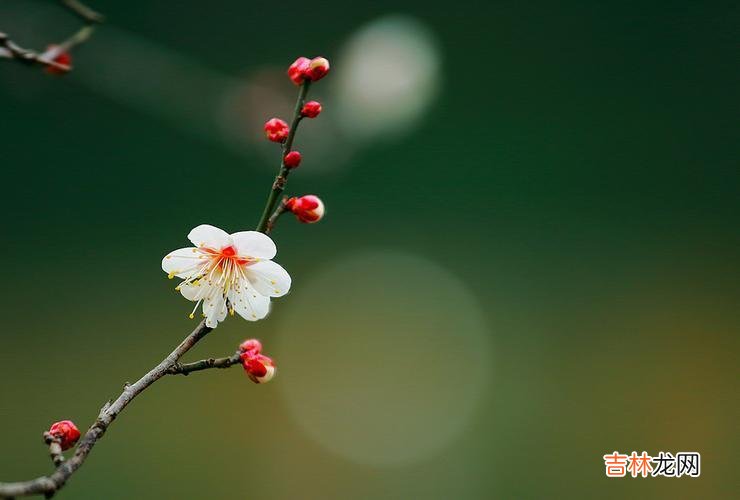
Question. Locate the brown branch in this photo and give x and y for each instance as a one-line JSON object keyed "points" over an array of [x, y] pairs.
{"points": [[28, 56], [282, 177], [280, 210], [204, 364], [77, 38], [48, 485], [83, 11], [12, 50], [55, 448]]}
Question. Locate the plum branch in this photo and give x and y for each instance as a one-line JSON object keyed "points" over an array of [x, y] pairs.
{"points": [[10, 49], [249, 352]]}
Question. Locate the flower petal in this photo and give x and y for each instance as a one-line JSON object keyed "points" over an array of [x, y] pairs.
{"points": [[268, 278], [209, 236], [249, 304], [195, 290], [214, 307], [182, 262], [254, 244]]}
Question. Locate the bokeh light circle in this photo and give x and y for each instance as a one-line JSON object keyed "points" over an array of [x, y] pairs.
{"points": [[383, 357], [387, 75]]}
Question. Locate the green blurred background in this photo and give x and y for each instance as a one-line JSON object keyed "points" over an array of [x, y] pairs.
{"points": [[529, 259]]}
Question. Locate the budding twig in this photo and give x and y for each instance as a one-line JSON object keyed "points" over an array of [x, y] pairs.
{"points": [[28, 56], [48, 485], [11, 50], [280, 210], [55, 448], [259, 368], [204, 364], [282, 177]]}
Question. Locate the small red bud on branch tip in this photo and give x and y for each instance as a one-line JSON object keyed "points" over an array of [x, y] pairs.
{"points": [[67, 433], [311, 109], [292, 159], [307, 209], [304, 69], [250, 346], [317, 69], [276, 130], [297, 70], [259, 368]]}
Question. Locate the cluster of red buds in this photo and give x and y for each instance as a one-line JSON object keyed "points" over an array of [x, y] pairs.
{"points": [[64, 432], [303, 71], [259, 368], [308, 69]]}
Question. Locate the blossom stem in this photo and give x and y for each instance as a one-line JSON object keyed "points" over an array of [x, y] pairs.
{"points": [[14, 51], [83, 11], [79, 37], [282, 178], [204, 364], [55, 448], [10, 49], [280, 210]]}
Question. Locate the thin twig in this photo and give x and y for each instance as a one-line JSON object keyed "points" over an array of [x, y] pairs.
{"points": [[79, 37], [49, 485], [11, 50], [55, 448], [204, 364], [280, 210], [282, 177], [28, 56], [83, 11]]}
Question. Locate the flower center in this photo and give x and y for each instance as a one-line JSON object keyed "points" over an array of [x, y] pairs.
{"points": [[229, 251], [225, 257]]}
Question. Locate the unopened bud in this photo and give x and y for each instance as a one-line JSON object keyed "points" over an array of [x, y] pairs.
{"points": [[297, 70], [292, 159], [308, 209], [311, 109], [317, 68], [259, 368], [276, 129], [66, 432], [251, 346]]}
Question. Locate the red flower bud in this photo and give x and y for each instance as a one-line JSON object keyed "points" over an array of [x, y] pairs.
{"points": [[292, 159], [297, 70], [311, 109], [276, 129], [308, 209], [67, 433], [317, 69], [259, 368], [251, 346], [64, 58]]}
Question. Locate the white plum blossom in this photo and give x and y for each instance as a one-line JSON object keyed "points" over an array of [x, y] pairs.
{"points": [[228, 273]]}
